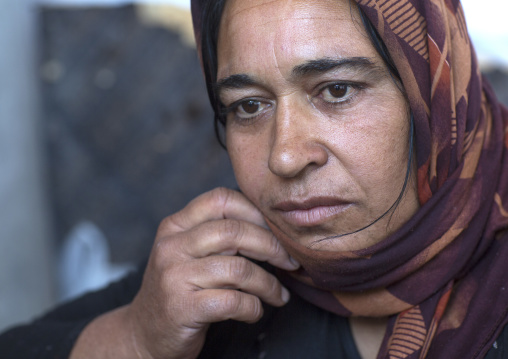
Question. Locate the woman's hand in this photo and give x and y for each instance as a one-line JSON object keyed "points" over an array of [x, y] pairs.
{"points": [[195, 277]]}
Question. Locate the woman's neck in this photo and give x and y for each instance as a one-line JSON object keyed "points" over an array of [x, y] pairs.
{"points": [[368, 334]]}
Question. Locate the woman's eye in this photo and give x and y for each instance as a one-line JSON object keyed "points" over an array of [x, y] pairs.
{"points": [[249, 108], [337, 93]]}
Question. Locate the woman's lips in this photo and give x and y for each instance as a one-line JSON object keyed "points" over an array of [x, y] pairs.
{"points": [[311, 212]]}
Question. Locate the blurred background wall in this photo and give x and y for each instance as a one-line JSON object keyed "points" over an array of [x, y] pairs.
{"points": [[26, 241], [105, 129]]}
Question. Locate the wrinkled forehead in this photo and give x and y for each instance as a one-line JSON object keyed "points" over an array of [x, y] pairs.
{"points": [[268, 11], [198, 6], [283, 30]]}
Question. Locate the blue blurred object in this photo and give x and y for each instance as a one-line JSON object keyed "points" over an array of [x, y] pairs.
{"points": [[85, 262]]}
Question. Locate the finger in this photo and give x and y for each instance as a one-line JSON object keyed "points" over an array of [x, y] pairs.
{"points": [[216, 305], [231, 237], [219, 272], [219, 203]]}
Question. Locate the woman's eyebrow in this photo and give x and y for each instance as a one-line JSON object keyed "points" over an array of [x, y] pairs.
{"points": [[320, 66], [237, 81], [311, 67]]}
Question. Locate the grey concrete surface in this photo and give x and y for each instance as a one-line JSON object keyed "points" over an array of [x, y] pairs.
{"points": [[26, 284]]}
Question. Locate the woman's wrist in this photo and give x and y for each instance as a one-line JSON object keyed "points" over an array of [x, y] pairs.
{"points": [[109, 336]]}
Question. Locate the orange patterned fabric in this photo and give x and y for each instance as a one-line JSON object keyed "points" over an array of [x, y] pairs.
{"points": [[441, 277]]}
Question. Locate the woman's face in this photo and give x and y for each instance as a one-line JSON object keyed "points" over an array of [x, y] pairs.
{"points": [[317, 130]]}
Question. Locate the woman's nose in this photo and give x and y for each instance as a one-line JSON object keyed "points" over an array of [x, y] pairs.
{"points": [[295, 144]]}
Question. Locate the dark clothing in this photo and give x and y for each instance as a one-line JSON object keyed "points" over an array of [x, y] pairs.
{"points": [[53, 335], [297, 330]]}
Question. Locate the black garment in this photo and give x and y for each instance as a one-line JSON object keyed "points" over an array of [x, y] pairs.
{"points": [[53, 335], [297, 330]]}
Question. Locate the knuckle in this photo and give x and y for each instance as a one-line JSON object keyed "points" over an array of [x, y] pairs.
{"points": [[169, 224], [167, 256], [167, 248], [231, 301], [222, 305], [174, 275], [159, 254], [230, 230], [220, 195], [239, 269], [167, 279], [163, 226]]}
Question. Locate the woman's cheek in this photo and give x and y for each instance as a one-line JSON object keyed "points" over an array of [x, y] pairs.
{"points": [[249, 168]]}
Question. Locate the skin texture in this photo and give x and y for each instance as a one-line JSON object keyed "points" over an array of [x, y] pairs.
{"points": [[340, 165], [191, 281], [318, 135]]}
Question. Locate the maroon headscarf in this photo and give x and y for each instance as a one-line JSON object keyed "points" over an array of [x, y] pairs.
{"points": [[441, 277]]}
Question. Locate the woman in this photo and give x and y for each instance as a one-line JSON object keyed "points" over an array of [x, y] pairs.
{"points": [[373, 172]]}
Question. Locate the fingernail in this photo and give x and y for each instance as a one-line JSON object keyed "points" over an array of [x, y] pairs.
{"points": [[294, 262], [285, 295]]}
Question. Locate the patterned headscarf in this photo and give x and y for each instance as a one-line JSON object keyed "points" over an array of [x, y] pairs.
{"points": [[441, 277]]}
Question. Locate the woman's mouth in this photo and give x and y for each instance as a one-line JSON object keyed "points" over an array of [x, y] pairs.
{"points": [[311, 212]]}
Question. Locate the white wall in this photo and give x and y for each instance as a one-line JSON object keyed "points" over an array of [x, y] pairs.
{"points": [[486, 21], [26, 285]]}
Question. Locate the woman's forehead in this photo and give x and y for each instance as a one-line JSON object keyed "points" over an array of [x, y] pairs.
{"points": [[283, 8], [283, 34]]}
